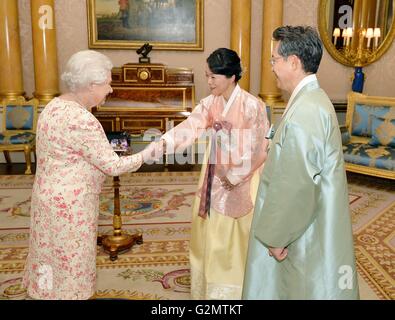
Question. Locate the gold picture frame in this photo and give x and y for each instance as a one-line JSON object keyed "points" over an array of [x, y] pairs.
{"points": [[128, 24]]}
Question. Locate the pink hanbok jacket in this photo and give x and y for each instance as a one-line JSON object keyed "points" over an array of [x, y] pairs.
{"points": [[240, 146]]}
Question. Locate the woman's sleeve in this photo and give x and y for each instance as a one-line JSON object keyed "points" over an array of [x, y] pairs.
{"points": [[90, 142], [184, 134], [253, 149]]}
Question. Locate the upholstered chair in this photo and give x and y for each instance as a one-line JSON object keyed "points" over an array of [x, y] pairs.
{"points": [[19, 128]]}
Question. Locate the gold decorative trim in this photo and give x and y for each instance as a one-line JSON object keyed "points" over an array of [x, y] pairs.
{"points": [[163, 75], [271, 99], [11, 96], [103, 120], [354, 98], [94, 42], [12, 267], [159, 123], [125, 294], [166, 108], [375, 172], [124, 75], [322, 27]]}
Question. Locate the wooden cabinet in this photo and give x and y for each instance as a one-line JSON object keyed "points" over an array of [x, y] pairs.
{"points": [[147, 96]]}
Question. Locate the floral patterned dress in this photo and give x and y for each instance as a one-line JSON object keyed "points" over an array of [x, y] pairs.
{"points": [[73, 159]]}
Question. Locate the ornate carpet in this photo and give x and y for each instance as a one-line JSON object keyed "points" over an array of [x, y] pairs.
{"points": [[372, 202], [158, 205]]}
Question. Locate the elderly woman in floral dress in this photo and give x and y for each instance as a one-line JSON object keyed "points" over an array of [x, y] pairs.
{"points": [[73, 159]]}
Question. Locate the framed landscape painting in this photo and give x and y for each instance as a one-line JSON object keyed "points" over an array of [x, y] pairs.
{"points": [[128, 24]]}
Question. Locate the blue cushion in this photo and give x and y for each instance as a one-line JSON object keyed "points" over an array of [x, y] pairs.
{"points": [[345, 134], [362, 119], [345, 137], [364, 154], [383, 132], [19, 117], [20, 138]]}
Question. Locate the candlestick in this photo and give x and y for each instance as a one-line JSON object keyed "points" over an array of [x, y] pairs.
{"points": [[336, 34], [349, 36], [376, 35], [369, 36], [344, 35]]}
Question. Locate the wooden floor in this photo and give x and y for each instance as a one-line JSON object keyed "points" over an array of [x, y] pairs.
{"points": [[19, 168]]}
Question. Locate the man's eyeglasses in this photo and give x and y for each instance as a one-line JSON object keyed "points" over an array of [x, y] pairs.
{"points": [[273, 60]]}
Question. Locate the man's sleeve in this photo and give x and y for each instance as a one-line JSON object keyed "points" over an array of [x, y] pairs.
{"points": [[291, 197]]}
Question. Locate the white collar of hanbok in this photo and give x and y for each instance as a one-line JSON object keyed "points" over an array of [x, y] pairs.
{"points": [[305, 81], [232, 98]]}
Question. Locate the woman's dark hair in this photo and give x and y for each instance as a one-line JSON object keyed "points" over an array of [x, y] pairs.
{"points": [[302, 42], [226, 62]]}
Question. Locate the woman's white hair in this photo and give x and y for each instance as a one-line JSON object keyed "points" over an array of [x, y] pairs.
{"points": [[86, 67]]}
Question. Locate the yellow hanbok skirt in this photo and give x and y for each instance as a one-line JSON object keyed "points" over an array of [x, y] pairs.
{"points": [[218, 250]]}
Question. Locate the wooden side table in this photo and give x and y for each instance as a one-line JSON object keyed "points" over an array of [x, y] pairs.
{"points": [[119, 242]]}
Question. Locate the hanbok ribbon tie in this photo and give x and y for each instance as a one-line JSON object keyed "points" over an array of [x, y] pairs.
{"points": [[205, 199]]}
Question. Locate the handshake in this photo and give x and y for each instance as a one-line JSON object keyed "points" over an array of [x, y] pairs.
{"points": [[154, 151]]}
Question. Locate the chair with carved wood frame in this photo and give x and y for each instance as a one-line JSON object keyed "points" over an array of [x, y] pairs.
{"points": [[19, 129], [368, 135]]}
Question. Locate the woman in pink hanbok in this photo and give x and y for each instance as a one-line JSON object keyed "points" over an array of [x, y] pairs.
{"points": [[236, 123], [73, 159]]}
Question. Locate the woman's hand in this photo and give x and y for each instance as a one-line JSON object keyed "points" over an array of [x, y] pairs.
{"points": [[154, 151], [226, 184]]}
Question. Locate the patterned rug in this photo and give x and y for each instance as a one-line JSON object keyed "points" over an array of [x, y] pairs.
{"points": [[372, 202], [158, 205]]}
